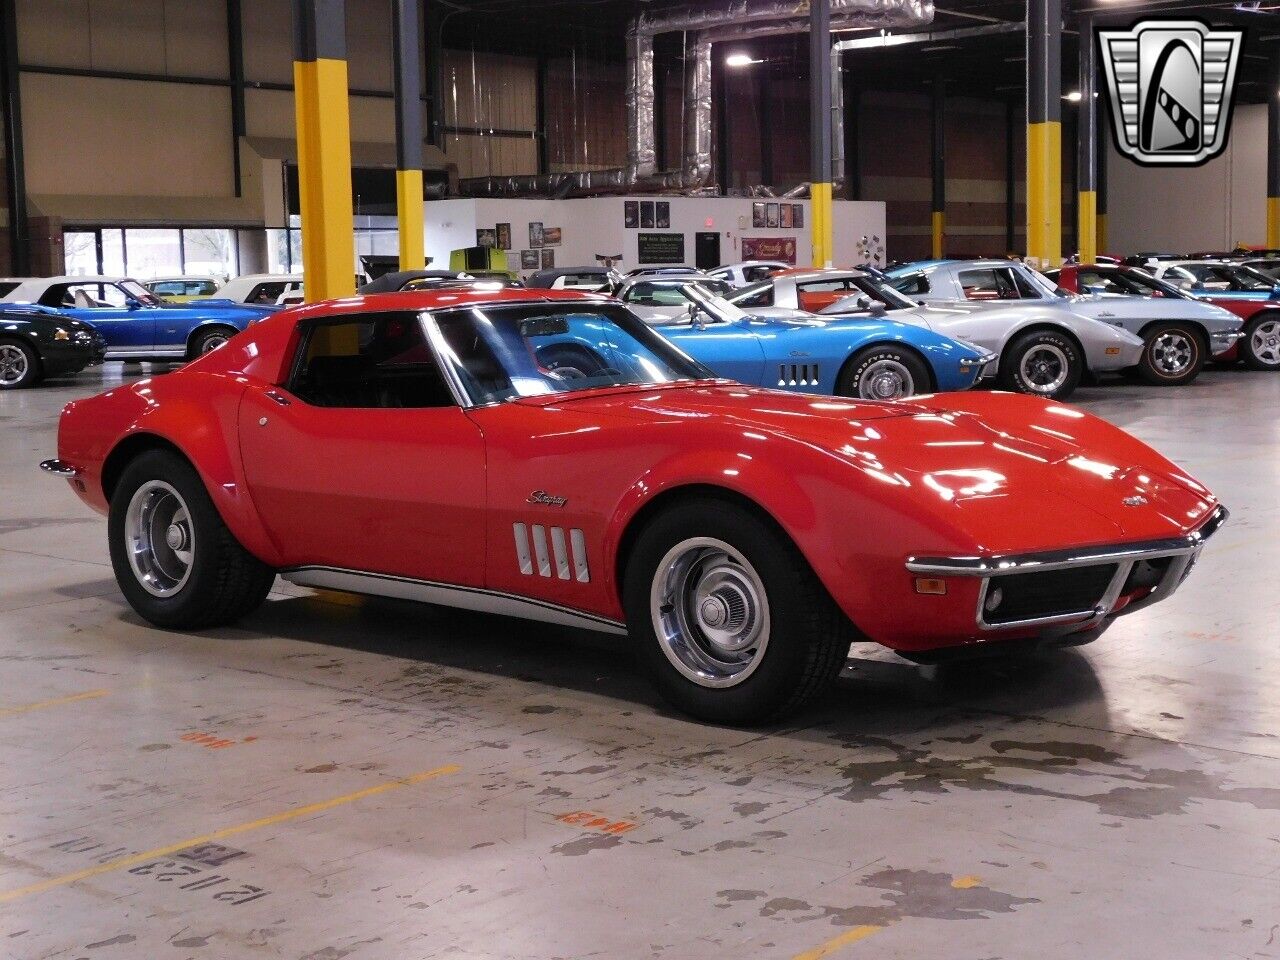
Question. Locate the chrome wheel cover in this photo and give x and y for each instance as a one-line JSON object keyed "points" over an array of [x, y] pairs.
{"points": [[886, 379], [1172, 353], [1044, 368], [160, 538], [1264, 342], [13, 364], [213, 342], [710, 612]]}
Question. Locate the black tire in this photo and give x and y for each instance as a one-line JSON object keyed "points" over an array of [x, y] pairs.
{"points": [[210, 338], [19, 364], [872, 371], [807, 636], [1260, 347], [1060, 353], [225, 582], [1172, 354]]}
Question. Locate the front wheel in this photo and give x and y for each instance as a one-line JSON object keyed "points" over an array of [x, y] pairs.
{"points": [[1172, 354], [19, 365], [731, 623], [1260, 347], [883, 373], [1043, 363], [175, 560]]}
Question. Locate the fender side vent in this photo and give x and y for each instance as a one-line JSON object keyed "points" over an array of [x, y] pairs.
{"points": [[798, 375], [565, 558]]}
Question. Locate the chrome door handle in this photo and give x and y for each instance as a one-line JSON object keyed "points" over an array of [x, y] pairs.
{"points": [[278, 397]]}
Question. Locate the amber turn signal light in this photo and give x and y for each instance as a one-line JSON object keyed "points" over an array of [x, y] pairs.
{"points": [[1113, 351], [932, 585]]}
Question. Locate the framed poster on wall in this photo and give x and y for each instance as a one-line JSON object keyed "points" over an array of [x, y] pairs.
{"points": [[757, 215], [631, 214], [769, 248], [504, 236], [535, 233], [797, 214], [548, 258], [551, 236], [662, 215], [771, 215], [529, 260], [784, 216], [646, 214], [486, 237], [660, 248]]}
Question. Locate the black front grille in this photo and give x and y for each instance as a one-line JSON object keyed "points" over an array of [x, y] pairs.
{"points": [[1146, 574], [1029, 596]]}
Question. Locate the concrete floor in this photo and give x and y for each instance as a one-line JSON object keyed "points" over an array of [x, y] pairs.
{"points": [[1119, 801]]}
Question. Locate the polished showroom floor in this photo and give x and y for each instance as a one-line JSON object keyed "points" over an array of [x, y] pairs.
{"points": [[382, 781]]}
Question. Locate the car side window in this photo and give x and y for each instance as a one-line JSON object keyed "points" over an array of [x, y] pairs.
{"points": [[980, 284], [370, 360], [912, 283], [756, 274], [266, 292], [86, 296], [761, 298], [1025, 289]]}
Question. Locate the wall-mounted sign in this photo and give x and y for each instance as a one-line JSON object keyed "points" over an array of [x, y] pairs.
{"points": [[660, 247], [551, 236], [769, 248]]}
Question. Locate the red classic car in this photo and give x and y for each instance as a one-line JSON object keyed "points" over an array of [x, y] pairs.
{"points": [[545, 454]]}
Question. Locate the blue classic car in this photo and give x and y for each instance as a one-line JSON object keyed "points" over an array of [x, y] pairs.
{"points": [[869, 357], [136, 324]]}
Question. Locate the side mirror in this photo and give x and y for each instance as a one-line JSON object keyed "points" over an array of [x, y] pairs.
{"points": [[877, 308], [695, 317]]}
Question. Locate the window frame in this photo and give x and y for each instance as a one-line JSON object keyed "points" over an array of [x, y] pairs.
{"points": [[306, 329]]}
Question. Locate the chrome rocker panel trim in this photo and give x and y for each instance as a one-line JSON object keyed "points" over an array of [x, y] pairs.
{"points": [[1185, 549], [449, 595], [59, 468]]}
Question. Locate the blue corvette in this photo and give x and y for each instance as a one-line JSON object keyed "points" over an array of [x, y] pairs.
{"points": [[135, 323], [871, 357]]}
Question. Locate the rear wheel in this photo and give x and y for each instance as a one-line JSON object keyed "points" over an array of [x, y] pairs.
{"points": [[1172, 354], [19, 365], [1043, 363], [730, 621], [884, 372], [1260, 348], [175, 560], [206, 341]]}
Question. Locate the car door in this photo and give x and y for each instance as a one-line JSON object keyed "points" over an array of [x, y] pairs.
{"points": [[124, 324], [364, 460]]}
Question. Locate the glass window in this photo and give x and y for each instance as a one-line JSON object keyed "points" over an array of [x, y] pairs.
{"points": [[86, 296], [114, 261], [501, 352], [980, 284], [1024, 286], [754, 274], [374, 360], [760, 295], [911, 284], [207, 251], [80, 253], [151, 252], [284, 251]]}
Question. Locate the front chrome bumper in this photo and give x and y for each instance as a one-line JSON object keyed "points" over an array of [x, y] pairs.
{"points": [[1222, 341], [1182, 552]]}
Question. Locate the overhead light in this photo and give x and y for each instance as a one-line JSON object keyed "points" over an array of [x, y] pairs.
{"points": [[740, 60], [1073, 96], [939, 46]]}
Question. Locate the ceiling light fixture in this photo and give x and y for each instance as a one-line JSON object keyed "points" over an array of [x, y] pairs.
{"points": [[1073, 96], [740, 60]]}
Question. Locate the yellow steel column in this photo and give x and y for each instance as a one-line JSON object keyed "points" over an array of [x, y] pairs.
{"points": [[1087, 225], [1102, 231], [324, 148], [820, 224], [820, 83], [938, 167], [1044, 132]]}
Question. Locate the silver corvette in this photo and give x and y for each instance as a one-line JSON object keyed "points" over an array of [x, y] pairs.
{"points": [[1041, 350], [1178, 334]]}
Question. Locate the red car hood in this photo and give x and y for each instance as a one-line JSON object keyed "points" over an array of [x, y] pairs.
{"points": [[1016, 473]]}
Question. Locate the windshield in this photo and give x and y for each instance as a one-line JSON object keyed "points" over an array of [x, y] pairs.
{"points": [[140, 293], [1126, 283], [1226, 276], [879, 290], [670, 293], [504, 352]]}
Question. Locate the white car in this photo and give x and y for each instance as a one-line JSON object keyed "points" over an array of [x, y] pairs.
{"points": [[262, 288], [1177, 335], [1040, 350], [747, 272]]}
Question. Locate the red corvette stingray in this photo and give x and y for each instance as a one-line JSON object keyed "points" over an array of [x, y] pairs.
{"points": [[544, 454]]}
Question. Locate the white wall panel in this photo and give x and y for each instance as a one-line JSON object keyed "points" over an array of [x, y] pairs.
{"points": [[53, 32]]}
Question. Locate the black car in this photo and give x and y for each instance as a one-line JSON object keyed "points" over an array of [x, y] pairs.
{"points": [[35, 344]]}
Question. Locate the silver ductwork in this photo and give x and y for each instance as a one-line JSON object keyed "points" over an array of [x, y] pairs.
{"points": [[704, 25]]}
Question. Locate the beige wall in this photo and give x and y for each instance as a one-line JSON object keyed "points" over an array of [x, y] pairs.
{"points": [[1211, 207]]}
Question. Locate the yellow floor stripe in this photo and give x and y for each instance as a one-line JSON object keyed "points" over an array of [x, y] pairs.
{"points": [[835, 943], [56, 701], [295, 813]]}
